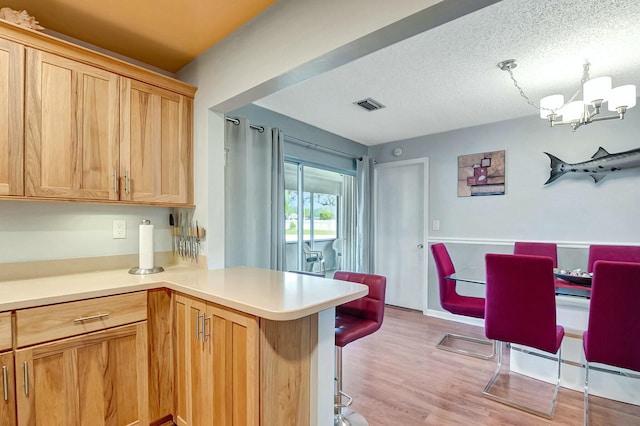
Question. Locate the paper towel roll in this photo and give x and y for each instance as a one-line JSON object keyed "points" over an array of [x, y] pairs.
{"points": [[146, 245]]}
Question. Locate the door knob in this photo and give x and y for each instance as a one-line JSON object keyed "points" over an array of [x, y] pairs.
{"points": [[420, 246]]}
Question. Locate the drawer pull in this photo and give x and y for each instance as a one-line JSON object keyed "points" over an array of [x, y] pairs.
{"points": [[91, 317], [26, 377], [4, 382]]}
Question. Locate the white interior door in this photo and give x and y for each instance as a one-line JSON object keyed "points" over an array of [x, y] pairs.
{"points": [[400, 218]]}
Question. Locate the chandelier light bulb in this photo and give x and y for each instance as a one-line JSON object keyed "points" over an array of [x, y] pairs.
{"points": [[596, 89], [551, 105], [622, 96], [573, 111]]}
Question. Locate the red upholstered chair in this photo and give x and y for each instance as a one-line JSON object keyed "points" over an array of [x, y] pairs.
{"points": [[616, 253], [613, 330], [457, 304], [521, 308], [538, 249], [354, 320]]}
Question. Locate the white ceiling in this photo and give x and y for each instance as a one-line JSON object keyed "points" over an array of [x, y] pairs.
{"points": [[447, 78]]}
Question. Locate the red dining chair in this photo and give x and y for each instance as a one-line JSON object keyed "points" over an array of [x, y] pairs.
{"points": [[354, 320], [613, 329], [616, 253], [521, 308], [537, 249], [458, 304]]}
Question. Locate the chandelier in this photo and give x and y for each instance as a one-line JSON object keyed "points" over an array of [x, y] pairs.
{"points": [[575, 113]]}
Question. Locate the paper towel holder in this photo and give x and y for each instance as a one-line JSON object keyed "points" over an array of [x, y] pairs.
{"points": [[145, 271]]}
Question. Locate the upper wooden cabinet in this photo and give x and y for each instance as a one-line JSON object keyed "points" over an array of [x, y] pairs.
{"points": [[79, 125], [72, 129], [155, 144], [11, 117]]}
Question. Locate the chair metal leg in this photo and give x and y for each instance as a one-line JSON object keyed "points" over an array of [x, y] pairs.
{"points": [[586, 393], [450, 336], [341, 416], [524, 407]]}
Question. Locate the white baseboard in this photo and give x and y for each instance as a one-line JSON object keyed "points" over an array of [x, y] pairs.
{"points": [[456, 318]]}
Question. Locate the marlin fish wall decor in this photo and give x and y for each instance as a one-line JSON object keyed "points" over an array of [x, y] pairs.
{"points": [[600, 164]]}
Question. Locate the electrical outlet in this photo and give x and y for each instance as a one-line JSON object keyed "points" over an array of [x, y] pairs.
{"points": [[436, 225], [119, 229]]}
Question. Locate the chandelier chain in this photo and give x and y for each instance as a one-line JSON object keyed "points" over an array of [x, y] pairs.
{"points": [[585, 78]]}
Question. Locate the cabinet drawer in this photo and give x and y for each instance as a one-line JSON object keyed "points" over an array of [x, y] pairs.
{"points": [[5, 331], [46, 323]]}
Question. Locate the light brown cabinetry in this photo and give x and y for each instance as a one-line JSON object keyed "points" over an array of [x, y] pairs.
{"points": [[11, 117], [78, 125], [155, 144], [72, 129], [7, 394], [94, 378], [217, 365]]}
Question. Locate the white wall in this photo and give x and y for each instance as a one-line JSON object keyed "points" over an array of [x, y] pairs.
{"points": [[32, 231]]}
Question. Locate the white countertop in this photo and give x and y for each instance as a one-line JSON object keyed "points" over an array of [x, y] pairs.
{"points": [[273, 295]]}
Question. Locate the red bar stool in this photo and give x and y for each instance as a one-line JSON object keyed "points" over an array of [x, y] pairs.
{"points": [[457, 304], [521, 308], [614, 321], [355, 320], [537, 249]]}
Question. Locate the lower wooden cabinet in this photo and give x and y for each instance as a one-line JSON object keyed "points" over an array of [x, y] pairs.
{"points": [[8, 395], [217, 365], [94, 379]]}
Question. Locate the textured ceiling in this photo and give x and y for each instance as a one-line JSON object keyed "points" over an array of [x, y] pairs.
{"points": [[447, 78], [167, 34]]}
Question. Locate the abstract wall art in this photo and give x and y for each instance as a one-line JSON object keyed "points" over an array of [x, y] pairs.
{"points": [[481, 174]]}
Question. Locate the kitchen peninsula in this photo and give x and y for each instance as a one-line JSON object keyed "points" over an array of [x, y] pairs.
{"points": [[238, 345]]}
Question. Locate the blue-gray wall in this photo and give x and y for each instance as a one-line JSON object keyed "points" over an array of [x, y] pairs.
{"points": [[573, 211]]}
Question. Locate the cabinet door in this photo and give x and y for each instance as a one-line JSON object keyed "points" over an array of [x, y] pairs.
{"points": [[8, 395], [95, 379], [192, 364], [156, 144], [71, 143], [216, 365], [11, 117], [234, 337]]}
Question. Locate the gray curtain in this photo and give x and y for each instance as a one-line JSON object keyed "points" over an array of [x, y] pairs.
{"points": [[254, 197], [348, 224], [364, 196]]}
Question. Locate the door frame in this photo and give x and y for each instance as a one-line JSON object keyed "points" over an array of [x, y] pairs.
{"points": [[425, 217]]}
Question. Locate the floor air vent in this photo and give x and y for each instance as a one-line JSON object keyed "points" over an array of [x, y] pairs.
{"points": [[369, 104]]}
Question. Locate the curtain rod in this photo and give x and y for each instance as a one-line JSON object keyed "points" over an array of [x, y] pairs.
{"points": [[315, 146], [300, 142], [253, 126]]}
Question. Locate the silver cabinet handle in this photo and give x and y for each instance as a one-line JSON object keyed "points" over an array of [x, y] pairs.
{"points": [[204, 328], [126, 182], [4, 382], [92, 317], [115, 181], [198, 325], [26, 377], [420, 246]]}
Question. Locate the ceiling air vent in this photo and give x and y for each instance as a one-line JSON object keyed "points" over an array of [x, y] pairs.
{"points": [[369, 104]]}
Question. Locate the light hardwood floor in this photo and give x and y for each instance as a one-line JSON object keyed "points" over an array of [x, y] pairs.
{"points": [[398, 377]]}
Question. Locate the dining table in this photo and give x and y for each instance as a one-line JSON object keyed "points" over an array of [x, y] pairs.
{"points": [[565, 284]]}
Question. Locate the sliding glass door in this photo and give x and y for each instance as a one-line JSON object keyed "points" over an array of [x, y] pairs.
{"points": [[317, 219]]}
